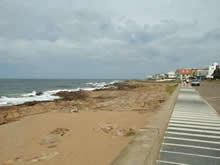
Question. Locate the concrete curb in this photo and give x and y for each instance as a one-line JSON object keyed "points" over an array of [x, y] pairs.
{"points": [[144, 148]]}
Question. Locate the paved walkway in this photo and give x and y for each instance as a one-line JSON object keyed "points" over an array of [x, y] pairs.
{"points": [[193, 133]]}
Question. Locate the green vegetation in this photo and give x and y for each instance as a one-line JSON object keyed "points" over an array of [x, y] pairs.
{"points": [[171, 88], [130, 133]]}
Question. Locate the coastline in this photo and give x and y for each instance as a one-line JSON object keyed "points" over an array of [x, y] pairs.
{"points": [[104, 117], [19, 92]]}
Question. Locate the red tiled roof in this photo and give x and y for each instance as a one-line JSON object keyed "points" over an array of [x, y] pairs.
{"points": [[185, 71]]}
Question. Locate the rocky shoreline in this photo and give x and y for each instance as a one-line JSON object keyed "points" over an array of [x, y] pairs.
{"points": [[78, 99]]}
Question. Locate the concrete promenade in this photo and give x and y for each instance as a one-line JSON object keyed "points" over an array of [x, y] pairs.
{"points": [[193, 133]]}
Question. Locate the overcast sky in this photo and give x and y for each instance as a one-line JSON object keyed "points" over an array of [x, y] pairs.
{"points": [[106, 39]]}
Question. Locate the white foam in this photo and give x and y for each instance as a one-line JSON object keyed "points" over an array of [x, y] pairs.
{"points": [[99, 85], [7, 101], [49, 95], [30, 94], [29, 97]]}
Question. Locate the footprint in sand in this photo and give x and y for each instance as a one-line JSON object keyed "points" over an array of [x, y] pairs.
{"points": [[54, 137]]}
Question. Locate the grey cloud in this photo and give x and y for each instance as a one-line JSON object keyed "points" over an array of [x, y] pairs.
{"points": [[56, 36], [212, 35]]}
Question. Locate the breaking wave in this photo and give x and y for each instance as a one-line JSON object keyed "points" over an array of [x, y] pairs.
{"points": [[101, 85], [49, 95]]}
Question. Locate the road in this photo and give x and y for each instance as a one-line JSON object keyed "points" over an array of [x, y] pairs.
{"points": [[193, 133], [210, 91]]}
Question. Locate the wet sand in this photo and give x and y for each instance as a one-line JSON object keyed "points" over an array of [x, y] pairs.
{"points": [[53, 133]]}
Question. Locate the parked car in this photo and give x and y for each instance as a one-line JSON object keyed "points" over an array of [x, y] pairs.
{"points": [[195, 82]]}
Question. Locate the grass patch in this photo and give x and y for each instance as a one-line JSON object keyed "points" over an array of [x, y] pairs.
{"points": [[130, 133], [171, 88]]}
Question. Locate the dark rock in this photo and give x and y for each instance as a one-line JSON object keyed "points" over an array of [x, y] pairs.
{"points": [[39, 93], [125, 86], [68, 96], [30, 103]]}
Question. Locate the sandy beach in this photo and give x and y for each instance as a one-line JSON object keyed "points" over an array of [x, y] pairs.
{"points": [[84, 128]]}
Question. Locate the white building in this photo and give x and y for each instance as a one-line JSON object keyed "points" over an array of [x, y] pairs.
{"points": [[212, 68], [171, 75], [150, 77]]}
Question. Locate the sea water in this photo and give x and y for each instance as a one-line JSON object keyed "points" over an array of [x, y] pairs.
{"points": [[19, 91]]}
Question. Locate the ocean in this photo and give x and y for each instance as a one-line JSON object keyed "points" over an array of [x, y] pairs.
{"points": [[19, 91]]}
